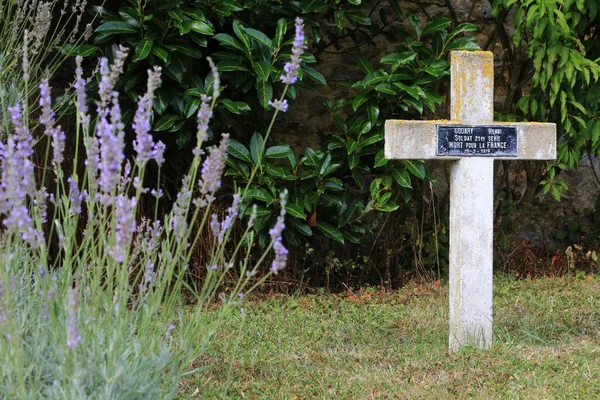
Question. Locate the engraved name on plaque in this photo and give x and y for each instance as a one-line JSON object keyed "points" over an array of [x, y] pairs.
{"points": [[464, 140]]}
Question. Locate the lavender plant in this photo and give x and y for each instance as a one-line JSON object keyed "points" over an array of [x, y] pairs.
{"points": [[104, 316], [29, 36]]}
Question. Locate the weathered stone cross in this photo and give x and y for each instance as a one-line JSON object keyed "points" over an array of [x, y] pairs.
{"points": [[473, 141]]}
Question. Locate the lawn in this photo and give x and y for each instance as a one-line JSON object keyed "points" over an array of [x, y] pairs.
{"points": [[373, 344]]}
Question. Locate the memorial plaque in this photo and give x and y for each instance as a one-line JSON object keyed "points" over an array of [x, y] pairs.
{"points": [[464, 140]]}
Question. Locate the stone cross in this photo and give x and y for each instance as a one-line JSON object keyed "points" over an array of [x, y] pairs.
{"points": [[472, 140]]}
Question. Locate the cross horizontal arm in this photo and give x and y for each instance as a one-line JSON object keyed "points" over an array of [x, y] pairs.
{"points": [[418, 140]]}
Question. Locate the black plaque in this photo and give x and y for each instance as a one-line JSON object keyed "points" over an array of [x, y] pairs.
{"points": [[480, 140]]}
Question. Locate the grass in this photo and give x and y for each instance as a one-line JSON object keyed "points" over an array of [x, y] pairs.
{"points": [[394, 345]]}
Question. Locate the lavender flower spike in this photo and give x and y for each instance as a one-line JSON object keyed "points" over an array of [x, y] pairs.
{"points": [[212, 169], [144, 145], [204, 116], [216, 78], [281, 105], [79, 86], [232, 213], [281, 252], [47, 119], [73, 337], [125, 227], [291, 68]]}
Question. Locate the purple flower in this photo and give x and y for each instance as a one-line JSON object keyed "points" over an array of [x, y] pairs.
{"points": [[179, 211], [155, 231], [47, 119], [280, 260], [291, 68], [112, 144], [75, 197], [81, 95], [41, 201], [144, 145], [215, 226], [158, 153], [215, 76], [25, 64], [212, 170], [125, 226], [92, 162], [204, 116], [148, 276], [17, 180], [281, 252], [232, 213], [109, 79], [253, 215], [281, 105], [169, 329], [73, 337]]}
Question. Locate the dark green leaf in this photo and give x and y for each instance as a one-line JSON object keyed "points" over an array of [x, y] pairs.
{"points": [[361, 98], [413, 91], [229, 66], [176, 14], [142, 50], [190, 51], [240, 32], [115, 27], [229, 41], [364, 65], [280, 32], [196, 26], [161, 53], [165, 122], [259, 37], [300, 226], [386, 88], [401, 177], [191, 106], [416, 24], [438, 24], [236, 107], [380, 159], [239, 151], [255, 146], [358, 19], [415, 168], [265, 92], [314, 74], [372, 79], [466, 27], [260, 194], [388, 207], [398, 58], [262, 70], [330, 231], [294, 210], [464, 43], [358, 178], [83, 50], [278, 152], [373, 112]]}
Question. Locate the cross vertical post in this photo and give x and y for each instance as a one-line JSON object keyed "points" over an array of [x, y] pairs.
{"points": [[471, 211]]}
